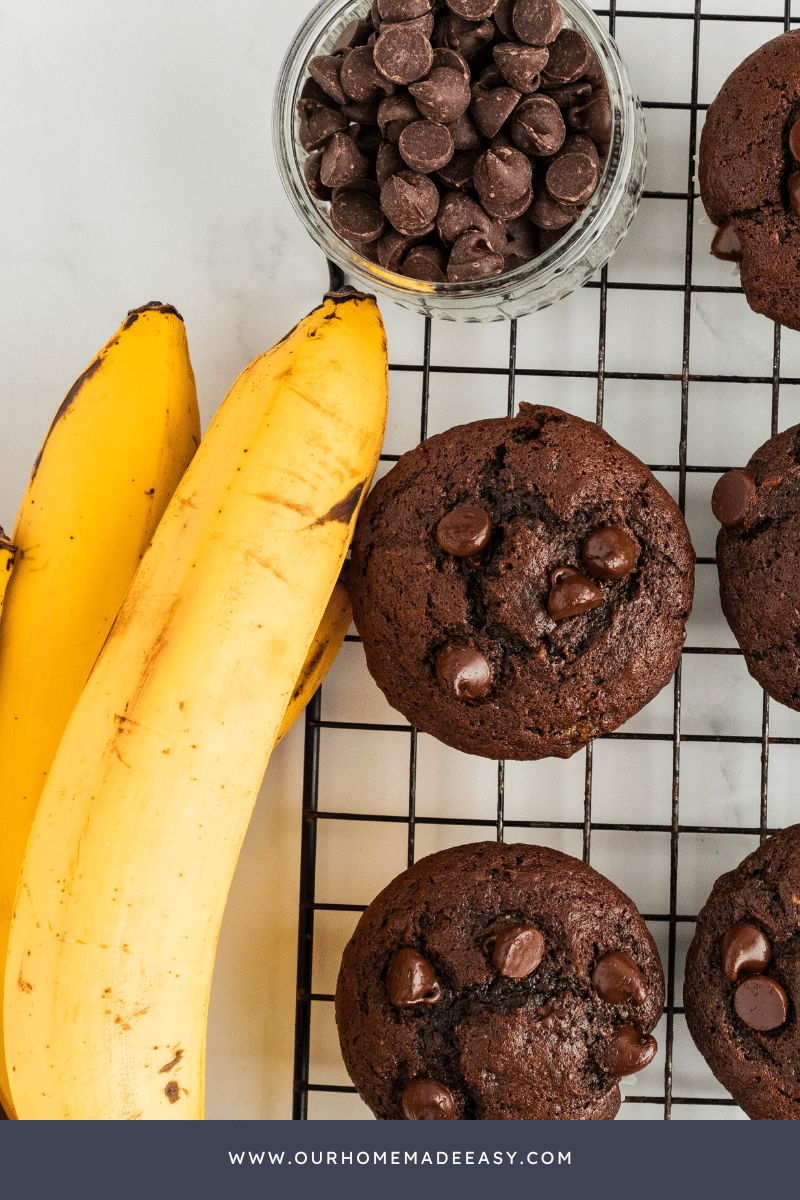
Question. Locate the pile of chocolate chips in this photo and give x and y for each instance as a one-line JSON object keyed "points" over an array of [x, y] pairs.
{"points": [[455, 140]]}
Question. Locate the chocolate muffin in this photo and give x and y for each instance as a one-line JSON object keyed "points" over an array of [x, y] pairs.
{"points": [[495, 982], [742, 982], [757, 549], [521, 585], [749, 175]]}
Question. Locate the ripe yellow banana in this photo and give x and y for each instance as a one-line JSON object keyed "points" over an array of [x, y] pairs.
{"points": [[140, 823], [117, 447], [8, 553], [321, 653]]}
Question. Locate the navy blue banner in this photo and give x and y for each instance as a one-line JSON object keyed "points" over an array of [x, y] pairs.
{"points": [[352, 1159]]}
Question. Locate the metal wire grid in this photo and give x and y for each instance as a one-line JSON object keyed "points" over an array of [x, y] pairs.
{"points": [[314, 724]]}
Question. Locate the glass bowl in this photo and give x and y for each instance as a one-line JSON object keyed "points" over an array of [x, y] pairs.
{"points": [[567, 265]]}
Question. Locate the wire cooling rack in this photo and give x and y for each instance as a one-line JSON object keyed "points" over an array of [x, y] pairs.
{"points": [[686, 789]]}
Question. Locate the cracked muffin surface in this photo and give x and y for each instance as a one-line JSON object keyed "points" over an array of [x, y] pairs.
{"points": [[758, 553], [747, 165], [521, 585], [498, 981], [742, 983]]}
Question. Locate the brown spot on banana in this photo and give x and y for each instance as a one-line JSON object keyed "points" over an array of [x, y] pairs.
{"points": [[92, 368], [172, 1091], [270, 498], [168, 1066], [343, 509], [151, 306]]}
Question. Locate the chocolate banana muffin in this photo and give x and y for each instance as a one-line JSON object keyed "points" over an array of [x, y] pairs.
{"points": [[749, 175], [757, 558], [742, 983], [521, 585], [495, 982]]}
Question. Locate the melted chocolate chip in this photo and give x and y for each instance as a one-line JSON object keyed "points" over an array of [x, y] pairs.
{"points": [[464, 531], [571, 593], [617, 979], [794, 140], [726, 245], [761, 1002], [427, 1100], [734, 493], [463, 672], [744, 948], [411, 980], [516, 951], [633, 1051], [609, 553]]}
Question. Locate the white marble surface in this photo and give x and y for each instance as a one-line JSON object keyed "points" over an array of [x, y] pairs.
{"points": [[136, 165]]}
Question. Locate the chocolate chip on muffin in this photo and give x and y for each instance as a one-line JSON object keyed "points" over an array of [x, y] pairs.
{"points": [[498, 982]]}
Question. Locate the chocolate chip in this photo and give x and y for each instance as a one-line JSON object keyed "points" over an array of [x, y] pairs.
{"points": [[472, 258], [571, 95], [744, 948], [502, 176], [464, 531], [464, 134], [423, 25], [342, 161], [326, 68], [569, 56], [357, 216], [548, 238], [311, 169], [318, 123], [794, 140], [520, 65], [388, 161], [793, 191], [365, 112], [617, 979], [458, 213], [426, 263], [537, 126], [609, 553], [463, 672], [459, 171], [761, 1002], [312, 91], [490, 107], [521, 240], [726, 245], [443, 56], [502, 18], [473, 10], [425, 146], [427, 1100], [546, 213], [571, 178], [411, 980], [443, 96], [571, 593], [393, 247], [537, 21], [633, 1051], [467, 37], [516, 951], [403, 55], [354, 34], [734, 493], [361, 79], [593, 118], [410, 201], [402, 10]]}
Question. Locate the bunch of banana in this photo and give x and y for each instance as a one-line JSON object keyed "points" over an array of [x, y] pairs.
{"points": [[114, 453], [147, 802]]}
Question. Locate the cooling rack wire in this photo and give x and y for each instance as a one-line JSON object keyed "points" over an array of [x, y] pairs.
{"points": [[688, 787]]}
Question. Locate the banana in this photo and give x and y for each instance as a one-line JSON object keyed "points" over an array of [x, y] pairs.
{"points": [[321, 653], [8, 552], [114, 453], [147, 802]]}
